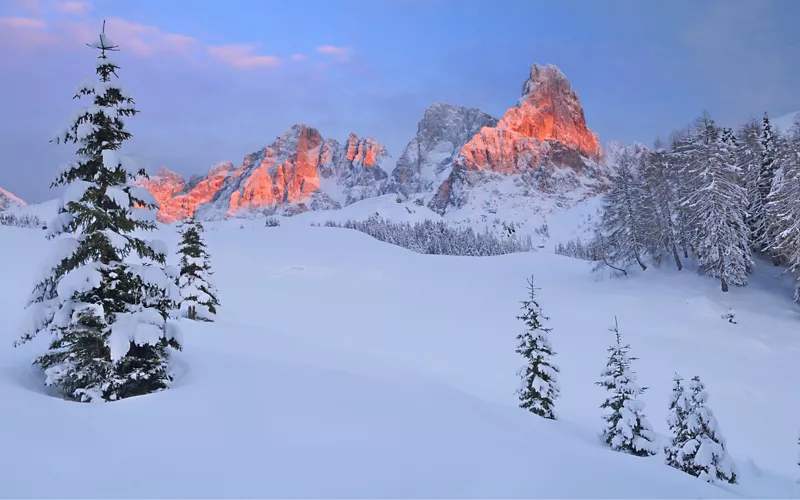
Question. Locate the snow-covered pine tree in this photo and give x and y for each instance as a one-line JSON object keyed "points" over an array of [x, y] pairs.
{"points": [[198, 293], [748, 159], [678, 411], [783, 208], [621, 225], [766, 175], [539, 388], [660, 210], [716, 207], [627, 428], [108, 317], [679, 155], [703, 453]]}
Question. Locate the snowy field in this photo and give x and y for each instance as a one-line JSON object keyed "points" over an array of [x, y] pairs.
{"points": [[341, 366]]}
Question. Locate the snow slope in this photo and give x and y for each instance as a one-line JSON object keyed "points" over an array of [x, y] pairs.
{"points": [[341, 366], [785, 122]]}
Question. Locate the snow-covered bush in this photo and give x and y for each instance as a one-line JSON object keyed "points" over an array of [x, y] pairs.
{"points": [[627, 428], [438, 238], [272, 222], [539, 388], [107, 315]]}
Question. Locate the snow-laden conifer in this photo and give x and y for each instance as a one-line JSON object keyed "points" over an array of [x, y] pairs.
{"points": [[766, 175], [703, 452], [783, 208], [748, 159], [622, 226], [198, 293], [539, 388], [660, 209], [679, 408], [108, 316], [627, 428], [716, 206]]}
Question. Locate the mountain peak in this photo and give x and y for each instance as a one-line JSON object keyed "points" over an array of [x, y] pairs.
{"points": [[9, 201], [542, 74]]}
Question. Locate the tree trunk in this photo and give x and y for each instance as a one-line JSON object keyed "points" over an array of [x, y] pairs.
{"points": [[724, 284], [641, 264], [677, 258], [192, 312]]}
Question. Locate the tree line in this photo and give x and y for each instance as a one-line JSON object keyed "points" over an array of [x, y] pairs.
{"points": [[711, 194]]}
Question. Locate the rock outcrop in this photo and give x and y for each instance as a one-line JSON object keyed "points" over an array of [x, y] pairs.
{"points": [[9, 202], [178, 199], [543, 141], [441, 134], [301, 171]]}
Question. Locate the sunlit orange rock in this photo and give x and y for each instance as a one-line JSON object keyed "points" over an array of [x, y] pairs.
{"points": [[179, 200], [363, 150], [284, 173], [548, 111], [546, 130]]}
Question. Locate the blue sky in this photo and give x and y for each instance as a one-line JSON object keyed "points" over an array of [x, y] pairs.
{"points": [[216, 80]]}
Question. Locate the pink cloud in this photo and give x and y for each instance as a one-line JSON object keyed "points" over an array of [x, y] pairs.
{"points": [[241, 56], [72, 7], [298, 57], [340, 53], [22, 23], [147, 40]]}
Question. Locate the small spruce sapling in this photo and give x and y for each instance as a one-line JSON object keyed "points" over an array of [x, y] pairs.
{"points": [[703, 453], [627, 428], [198, 293], [679, 407], [539, 388]]}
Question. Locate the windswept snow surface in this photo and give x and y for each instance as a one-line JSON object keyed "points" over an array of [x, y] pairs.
{"points": [[340, 366]]}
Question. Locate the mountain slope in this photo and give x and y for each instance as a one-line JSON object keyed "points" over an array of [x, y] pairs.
{"points": [[785, 122], [333, 359], [9, 202]]}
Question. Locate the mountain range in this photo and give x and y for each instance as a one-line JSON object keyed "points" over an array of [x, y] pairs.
{"points": [[460, 160]]}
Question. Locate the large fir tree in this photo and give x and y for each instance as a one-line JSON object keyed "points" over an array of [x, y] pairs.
{"points": [[539, 388], [622, 225], [198, 293], [108, 316], [766, 176], [660, 211], [627, 428], [717, 206], [748, 160]]}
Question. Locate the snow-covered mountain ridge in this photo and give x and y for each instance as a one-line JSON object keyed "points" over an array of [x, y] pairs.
{"points": [[540, 156]]}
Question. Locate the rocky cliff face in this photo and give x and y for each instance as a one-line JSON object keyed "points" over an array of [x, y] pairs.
{"points": [[9, 202], [543, 142], [301, 171], [441, 134], [179, 199]]}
